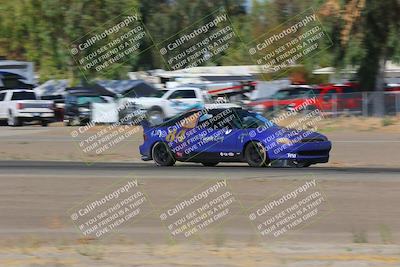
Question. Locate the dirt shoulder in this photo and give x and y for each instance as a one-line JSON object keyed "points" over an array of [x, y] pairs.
{"points": [[361, 228]]}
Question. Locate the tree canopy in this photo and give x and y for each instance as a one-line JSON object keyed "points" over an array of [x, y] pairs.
{"points": [[365, 33]]}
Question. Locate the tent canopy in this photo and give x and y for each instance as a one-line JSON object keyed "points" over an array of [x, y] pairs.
{"points": [[9, 80], [133, 88], [129, 88], [92, 90]]}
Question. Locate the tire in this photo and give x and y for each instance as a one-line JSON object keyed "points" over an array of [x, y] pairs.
{"points": [[13, 121], [256, 155], [155, 116], [75, 121], [210, 164], [162, 155], [44, 123], [66, 120]]}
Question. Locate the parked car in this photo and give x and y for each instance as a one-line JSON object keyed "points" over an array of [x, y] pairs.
{"points": [[230, 134], [338, 98], [21, 105], [78, 105], [327, 98], [392, 88], [283, 98]]}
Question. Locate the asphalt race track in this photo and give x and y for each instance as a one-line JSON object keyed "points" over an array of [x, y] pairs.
{"points": [[182, 170]]}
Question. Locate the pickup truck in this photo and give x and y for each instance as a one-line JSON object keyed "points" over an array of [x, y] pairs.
{"points": [[168, 103], [21, 105]]}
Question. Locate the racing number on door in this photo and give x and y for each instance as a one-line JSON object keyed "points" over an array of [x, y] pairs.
{"points": [[172, 135]]}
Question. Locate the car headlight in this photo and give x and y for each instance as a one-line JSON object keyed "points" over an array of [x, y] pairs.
{"points": [[283, 140], [83, 109]]}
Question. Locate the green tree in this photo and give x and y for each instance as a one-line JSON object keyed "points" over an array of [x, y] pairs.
{"points": [[366, 35], [43, 30], [167, 18]]}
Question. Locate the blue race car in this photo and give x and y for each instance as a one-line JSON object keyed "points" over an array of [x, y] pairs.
{"points": [[213, 135]]}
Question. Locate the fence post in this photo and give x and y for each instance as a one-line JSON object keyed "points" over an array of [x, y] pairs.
{"points": [[334, 106], [365, 104]]}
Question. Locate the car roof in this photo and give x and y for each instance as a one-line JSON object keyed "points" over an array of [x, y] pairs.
{"points": [[183, 88], [17, 90], [296, 87], [300, 86]]}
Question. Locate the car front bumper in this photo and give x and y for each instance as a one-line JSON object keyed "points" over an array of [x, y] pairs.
{"points": [[314, 152]]}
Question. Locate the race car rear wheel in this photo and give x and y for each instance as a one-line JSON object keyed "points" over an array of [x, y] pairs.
{"points": [[162, 155], [210, 164], [256, 155]]}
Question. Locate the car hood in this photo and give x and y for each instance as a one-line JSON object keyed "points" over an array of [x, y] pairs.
{"points": [[145, 101]]}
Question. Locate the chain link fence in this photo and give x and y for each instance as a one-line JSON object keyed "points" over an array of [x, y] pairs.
{"points": [[359, 104]]}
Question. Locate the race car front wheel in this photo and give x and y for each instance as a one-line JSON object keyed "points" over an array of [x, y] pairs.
{"points": [[162, 155], [256, 155]]}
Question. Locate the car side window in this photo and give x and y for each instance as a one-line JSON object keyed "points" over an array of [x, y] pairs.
{"points": [[182, 94], [348, 90], [308, 93], [216, 120], [70, 100], [299, 93], [131, 94], [315, 92], [2, 96], [329, 94]]}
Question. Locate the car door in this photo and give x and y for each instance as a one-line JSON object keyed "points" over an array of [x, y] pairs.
{"points": [[218, 136], [328, 100], [71, 107], [182, 100], [350, 99]]}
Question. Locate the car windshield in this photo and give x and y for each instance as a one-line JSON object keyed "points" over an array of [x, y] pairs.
{"points": [[244, 119], [158, 93], [281, 94], [294, 93], [83, 100]]}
